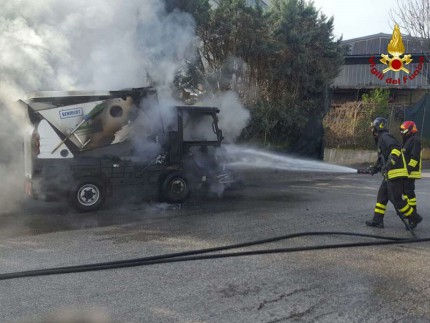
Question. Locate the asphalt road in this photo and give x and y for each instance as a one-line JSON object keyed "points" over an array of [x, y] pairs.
{"points": [[363, 284]]}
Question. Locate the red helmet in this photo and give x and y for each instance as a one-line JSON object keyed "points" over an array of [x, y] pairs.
{"points": [[408, 127]]}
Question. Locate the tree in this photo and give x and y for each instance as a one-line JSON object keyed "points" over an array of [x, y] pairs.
{"points": [[199, 9], [307, 56], [413, 16], [303, 58], [192, 72], [233, 42], [280, 61], [376, 103]]}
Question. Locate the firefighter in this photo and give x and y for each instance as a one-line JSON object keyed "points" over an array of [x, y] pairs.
{"points": [[411, 149], [391, 163]]}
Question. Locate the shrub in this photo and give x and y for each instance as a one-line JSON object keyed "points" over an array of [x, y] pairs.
{"points": [[348, 125]]}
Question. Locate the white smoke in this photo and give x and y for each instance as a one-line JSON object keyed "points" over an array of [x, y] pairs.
{"points": [[233, 117], [79, 45], [98, 44], [91, 45]]}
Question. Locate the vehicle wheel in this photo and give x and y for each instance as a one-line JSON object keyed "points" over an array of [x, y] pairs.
{"points": [[175, 188], [89, 194]]}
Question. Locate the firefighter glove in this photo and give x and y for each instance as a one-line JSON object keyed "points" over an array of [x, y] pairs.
{"points": [[409, 168], [374, 169], [390, 163]]}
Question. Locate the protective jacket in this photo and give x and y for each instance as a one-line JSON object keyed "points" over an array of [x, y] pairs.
{"points": [[412, 151], [390, 157]]}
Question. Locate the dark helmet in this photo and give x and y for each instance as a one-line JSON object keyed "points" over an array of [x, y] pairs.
{"points": [[379, 124], [408, 127]]}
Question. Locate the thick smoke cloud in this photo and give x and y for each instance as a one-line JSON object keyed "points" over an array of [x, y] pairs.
{"points": [[92, 45], [79, 45], [233, 116], [99, 44]]}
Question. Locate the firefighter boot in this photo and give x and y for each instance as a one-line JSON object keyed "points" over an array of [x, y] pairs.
{"points": [[414, 219], [377, 222]]}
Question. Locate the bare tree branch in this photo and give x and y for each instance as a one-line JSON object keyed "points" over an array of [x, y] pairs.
{"points": [[413, 16]]}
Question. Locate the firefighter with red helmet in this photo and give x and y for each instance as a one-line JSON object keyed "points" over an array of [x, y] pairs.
{"points": [[411, 149], [391, 163]]}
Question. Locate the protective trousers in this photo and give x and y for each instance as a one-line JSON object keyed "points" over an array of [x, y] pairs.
{"points": [[392, 190], [409, 192]]}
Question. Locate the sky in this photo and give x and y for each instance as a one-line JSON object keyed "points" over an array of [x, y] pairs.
{"points": [[358, 18]]}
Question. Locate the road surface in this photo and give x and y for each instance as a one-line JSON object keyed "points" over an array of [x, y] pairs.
{"points": [[363, 284]]}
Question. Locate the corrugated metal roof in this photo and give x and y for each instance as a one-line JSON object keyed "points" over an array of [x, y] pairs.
{"points": [[357, 71], [377, 44]]}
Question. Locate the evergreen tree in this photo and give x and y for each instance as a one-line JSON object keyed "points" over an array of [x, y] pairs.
{"points": [[281, 62], [199, 9], [192, 72], [303, 59], [233, 42]]}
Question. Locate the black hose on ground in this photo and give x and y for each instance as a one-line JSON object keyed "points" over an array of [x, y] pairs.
{"points": [[191, 255]]}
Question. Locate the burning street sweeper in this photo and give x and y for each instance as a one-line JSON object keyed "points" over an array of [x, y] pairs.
{"points": [[85, 145]]}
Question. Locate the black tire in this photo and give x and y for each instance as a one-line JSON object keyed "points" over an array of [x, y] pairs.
{"points": [[89, 194], [175, 188]]}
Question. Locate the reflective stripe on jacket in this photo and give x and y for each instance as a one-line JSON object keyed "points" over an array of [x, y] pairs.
{"points": [[390, 154], [413, 155]]}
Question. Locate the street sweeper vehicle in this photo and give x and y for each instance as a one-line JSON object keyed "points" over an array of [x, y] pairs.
{"points": [[86, 145]]}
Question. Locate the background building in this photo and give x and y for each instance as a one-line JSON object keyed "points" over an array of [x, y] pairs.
{"points": [[409, 92], [356, 78]]}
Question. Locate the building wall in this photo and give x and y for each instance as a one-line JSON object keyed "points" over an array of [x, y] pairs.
{"points": [[359, 73], [360, 76]]}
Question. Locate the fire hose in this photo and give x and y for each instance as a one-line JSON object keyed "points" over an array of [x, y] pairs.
{"points": [[193, 255]]}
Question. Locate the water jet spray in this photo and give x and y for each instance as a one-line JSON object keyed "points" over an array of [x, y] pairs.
{"points": [[242, 158]]}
